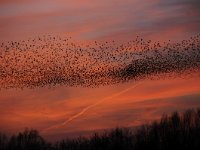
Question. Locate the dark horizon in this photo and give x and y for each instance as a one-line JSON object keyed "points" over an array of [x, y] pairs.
{"points": [[178, 130]]}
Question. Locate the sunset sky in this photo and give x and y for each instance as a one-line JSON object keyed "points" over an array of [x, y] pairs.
{"points": [[72, 111]]}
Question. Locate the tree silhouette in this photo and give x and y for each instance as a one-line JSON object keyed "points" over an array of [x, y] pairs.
{"points": [[3, 141], [177, 131], [27, 140]]}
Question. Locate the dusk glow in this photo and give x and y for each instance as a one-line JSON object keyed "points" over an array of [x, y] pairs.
{"points": [[72, 67]]}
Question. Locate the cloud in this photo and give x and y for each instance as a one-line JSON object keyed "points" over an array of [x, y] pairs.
{"points": [[41, 108], [90, 20], [184, 3]]}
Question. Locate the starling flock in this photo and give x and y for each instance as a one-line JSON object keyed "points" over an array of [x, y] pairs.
{"points": [[48, 61]]}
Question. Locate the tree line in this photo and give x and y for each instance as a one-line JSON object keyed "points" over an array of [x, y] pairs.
{"points": [[176, 131]]}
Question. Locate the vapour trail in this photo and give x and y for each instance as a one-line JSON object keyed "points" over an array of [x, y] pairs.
{"points": [[90, 107]]}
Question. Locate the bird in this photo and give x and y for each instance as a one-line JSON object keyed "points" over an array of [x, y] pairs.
{"points": [[50, 61]]}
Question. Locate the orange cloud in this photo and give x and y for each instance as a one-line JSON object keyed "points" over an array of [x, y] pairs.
{"points": [[44, 108], [89, 20]]}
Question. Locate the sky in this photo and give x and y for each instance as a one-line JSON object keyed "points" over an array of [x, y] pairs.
{"points": [[93, 19], [70, 111]]}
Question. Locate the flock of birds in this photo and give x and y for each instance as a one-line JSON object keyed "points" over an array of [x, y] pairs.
{"points": [[54, 60]]}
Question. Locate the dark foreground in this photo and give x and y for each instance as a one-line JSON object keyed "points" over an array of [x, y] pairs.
{"points": [[178, 131]]}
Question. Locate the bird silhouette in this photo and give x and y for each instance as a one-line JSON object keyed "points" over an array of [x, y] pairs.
{"points": [[49, 61]]}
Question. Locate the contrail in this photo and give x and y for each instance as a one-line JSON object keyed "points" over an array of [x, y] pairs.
{"points": [[89, 107]]}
